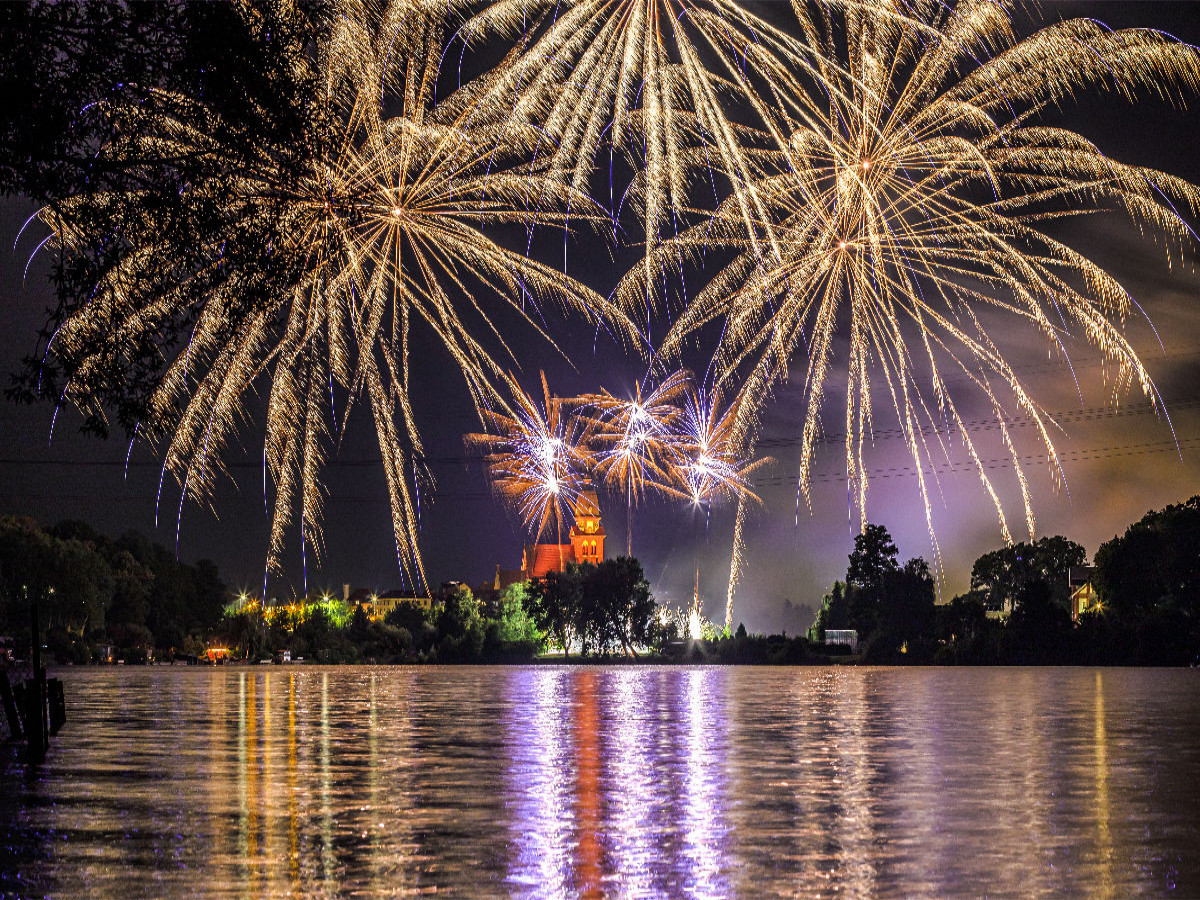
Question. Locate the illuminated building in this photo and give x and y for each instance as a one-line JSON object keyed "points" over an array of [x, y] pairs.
{"points": [[585, 545], [1083, 593], [380, 605]]}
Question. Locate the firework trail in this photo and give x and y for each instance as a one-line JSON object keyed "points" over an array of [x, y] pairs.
{"points": [[908, 186], [377, 228]]}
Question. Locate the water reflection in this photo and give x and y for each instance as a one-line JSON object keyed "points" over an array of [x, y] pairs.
{"points": [[624, 782], [540, 776]]}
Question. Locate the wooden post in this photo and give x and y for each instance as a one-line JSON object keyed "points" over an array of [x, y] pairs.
{"points": [[35, 716], [57, 702], [10, 706]]}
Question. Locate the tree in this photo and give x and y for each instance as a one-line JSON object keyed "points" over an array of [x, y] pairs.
{"points": [[1002, 575], [62, 63], [873, 559], [554, 603], [1149, 584], [891, 607], [834, 613], [131, 589], [1039, 630], [515, 625], [26, 572], [82, 587], [460, 626], [617, 607], [905, 614], [962, 620], [1157, 558], [414, 620], [601, 607], [96, 93]]}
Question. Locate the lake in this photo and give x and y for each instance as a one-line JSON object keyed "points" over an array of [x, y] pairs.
{"points": [[624, 781]]}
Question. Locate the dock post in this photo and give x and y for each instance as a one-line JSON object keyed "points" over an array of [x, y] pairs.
{"points": [[36, 733], [10, 707], [57, 702]]}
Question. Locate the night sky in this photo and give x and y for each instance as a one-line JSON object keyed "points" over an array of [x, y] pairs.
{"points": [[1120, 460]]}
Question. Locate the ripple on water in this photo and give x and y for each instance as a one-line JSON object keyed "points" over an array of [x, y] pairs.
{"points": [[625, 782]]}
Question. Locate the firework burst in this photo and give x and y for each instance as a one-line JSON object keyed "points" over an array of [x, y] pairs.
{"points": [[536, 459], [909, 192], [635, 440], [375, 231], [713, 466]]}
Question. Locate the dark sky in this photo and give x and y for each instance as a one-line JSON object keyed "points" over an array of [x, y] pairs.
{"points": [[1120, 461]]}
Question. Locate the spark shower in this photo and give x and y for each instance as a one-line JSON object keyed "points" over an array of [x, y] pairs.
{"points": [[883, 174]]}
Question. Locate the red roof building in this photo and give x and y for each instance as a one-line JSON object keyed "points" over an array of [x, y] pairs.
{"points": [[586, 545]]}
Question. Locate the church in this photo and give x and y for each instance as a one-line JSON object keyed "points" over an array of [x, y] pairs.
{"points": [[586, 545]]}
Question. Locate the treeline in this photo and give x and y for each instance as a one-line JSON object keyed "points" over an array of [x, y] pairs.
{"points": [[94, 593], [588, 610], [457, 627], [1017, 611], [133, 598]]}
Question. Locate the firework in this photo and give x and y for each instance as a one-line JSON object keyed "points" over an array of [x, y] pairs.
{"points": [[636, 450], [536, 459], [649, 78], [906, 194], [713, 467], [376, 229]]}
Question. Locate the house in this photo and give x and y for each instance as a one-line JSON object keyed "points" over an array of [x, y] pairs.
{"points": [[1083, 593], [382, 604], [845, 636]]}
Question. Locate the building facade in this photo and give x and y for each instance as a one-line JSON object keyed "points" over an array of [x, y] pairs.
{"points": [[585, 544]]}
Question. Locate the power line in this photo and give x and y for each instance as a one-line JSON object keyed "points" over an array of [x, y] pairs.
{"points": [[967, 467]]}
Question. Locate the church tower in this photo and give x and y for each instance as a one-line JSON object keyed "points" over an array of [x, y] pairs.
{"points": [[587, 534]]}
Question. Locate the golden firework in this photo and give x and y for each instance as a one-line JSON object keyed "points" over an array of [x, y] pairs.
{"points": [[660, 81], [909, 189], [536, 459], [383, 231]]}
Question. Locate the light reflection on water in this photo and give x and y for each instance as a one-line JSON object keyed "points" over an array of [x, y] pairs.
{"points": [[548, 781]]}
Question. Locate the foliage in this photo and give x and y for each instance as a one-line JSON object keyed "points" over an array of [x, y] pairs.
{"points": [[1001, 576], [555, 602], [617, 606], [1039, 630], [93, 592], [1149, 583], [873, 559], [460, 627], [834, 613], [962, 628], [889, 605], [100, 150], [515, 625], [59, 60], [1154, 564], [743, 648], [416, 621], [602, 608]]}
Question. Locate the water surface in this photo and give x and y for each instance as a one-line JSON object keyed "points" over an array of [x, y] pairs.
{"points": [[624, 782]]}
